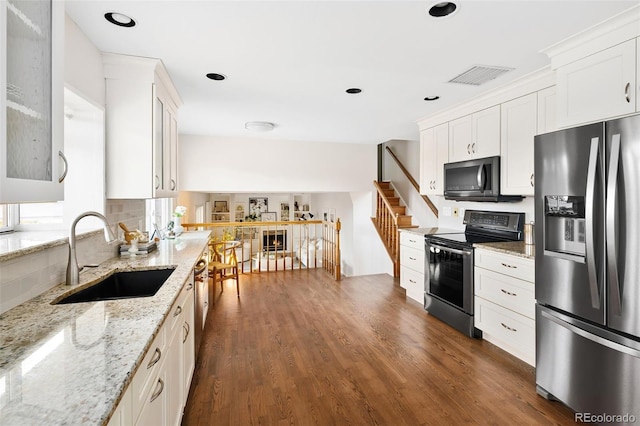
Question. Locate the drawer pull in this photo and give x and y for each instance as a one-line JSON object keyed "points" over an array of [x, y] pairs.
{"points": [[506, 265], [412, 258], [508, 293], [507, 327], [155, 359], [413, 282], [178, 311], [412, 241], [157, 393]]}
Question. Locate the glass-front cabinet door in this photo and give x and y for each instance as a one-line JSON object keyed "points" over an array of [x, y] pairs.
{"points": [[32, 164]]}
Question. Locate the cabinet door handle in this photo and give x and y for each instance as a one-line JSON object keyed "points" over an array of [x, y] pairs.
{"points": [[185, 327], [190, 286], [173, 184], [157, 182], [468, 148], [508, 293], [508, 266], [507, 327], [66, 166], [157, 393], [155, 359], [626, 92], [178, 311], [473, 147], [531, 180]]}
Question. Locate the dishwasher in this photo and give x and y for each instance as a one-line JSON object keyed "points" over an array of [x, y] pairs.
{"points": [[201, 280]]}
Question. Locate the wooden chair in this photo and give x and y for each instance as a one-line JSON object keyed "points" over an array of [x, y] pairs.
{"points": [[223, 264]]}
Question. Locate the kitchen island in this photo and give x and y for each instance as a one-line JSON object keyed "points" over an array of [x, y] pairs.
{"points": [[71, 364]]}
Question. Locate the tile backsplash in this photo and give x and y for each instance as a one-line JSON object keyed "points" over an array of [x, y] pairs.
{"points": [[26, 276]]}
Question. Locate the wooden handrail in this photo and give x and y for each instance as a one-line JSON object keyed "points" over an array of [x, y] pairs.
{"points": [[413, 182], [386, 223], [301, 251]]}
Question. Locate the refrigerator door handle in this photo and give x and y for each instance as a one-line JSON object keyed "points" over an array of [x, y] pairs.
{"points": [[612, 238], [481, 177], [594, 154]]}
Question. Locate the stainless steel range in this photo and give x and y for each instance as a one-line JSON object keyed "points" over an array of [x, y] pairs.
{"points": [[449, 265]]}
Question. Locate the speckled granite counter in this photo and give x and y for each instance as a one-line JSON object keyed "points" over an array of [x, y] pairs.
{"points": [[515, 248], [70, 364]]}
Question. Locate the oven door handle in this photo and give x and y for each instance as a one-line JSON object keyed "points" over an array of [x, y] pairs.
{"points": [[452, 250]]}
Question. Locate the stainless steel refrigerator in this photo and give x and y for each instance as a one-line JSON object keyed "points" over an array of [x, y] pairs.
{"points": [[587, 236]]}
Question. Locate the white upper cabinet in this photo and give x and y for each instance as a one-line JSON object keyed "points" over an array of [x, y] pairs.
{"points": [[32, 163], [434, 152], [547, 111], [142, 128], [519, 127], [598, 87], [475, 136]]}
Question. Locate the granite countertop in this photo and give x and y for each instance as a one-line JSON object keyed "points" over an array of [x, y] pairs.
{"points": [[70, 364], [515, 248]]}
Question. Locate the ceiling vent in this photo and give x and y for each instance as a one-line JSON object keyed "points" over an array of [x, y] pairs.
{"points": [[479, 74]]}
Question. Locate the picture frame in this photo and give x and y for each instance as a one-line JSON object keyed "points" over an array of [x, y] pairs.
{"points": [[258, 205], [269, 216], [220, 206]]}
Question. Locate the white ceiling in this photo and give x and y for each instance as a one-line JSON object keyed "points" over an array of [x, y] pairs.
{"points": [[290, 62]]}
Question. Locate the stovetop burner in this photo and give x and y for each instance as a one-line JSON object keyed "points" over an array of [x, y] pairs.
{"points": [[484, 227]]}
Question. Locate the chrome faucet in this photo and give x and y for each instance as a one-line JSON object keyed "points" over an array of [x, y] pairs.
{"points": [[73, 270]]}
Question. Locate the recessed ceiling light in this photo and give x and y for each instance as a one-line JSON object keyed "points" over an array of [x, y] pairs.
{"points": [[259, 126], [354, 90], [216, 76], [432, 98], [119, 19], [442, 9]]}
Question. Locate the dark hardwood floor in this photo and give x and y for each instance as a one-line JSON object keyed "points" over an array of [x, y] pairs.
{"points": [[299, 348]]}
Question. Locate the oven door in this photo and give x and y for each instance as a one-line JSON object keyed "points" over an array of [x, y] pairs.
{"points": [[449, 274]]}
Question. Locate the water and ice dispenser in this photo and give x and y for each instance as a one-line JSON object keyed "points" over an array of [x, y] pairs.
{"points": [[564, 228]]}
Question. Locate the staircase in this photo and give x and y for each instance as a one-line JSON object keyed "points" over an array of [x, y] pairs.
{"points": [[390, 218]]}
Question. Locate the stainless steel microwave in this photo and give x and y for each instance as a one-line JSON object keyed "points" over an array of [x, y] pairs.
{"points": [[475, 180]]}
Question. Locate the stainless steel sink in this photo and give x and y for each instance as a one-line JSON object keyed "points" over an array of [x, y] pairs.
{"points": [[121, 285]]}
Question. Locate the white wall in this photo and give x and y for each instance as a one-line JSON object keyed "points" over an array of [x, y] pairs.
{"points": [[218, 164], [82, 64]]}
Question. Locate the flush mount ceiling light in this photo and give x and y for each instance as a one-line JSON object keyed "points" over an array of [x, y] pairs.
{"points": [[216, 76], [119, 19], [442, 9], [259, 126], [432, 98], [353, 90]]}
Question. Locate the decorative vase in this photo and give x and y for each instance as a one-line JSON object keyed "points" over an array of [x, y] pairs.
{"points": [[177, 225]]}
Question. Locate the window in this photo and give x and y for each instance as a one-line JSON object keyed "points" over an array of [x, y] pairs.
{"points": [[41, 213], [159, 214], [6, 223]]}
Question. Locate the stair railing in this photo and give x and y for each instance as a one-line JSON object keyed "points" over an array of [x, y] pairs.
{"points": [[413, 182], [386, 223]]}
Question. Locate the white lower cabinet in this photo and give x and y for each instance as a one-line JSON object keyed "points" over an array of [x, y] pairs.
{"points": [[159, 389], [412, 265], [187, 353], [505, 302]]}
